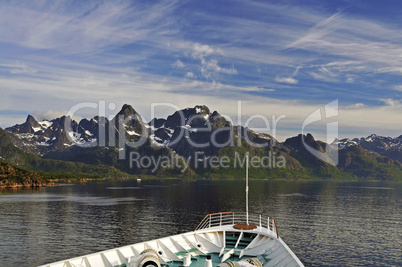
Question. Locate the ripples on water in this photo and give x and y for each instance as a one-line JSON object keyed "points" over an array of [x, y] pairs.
{"points": [[98, 201], [324, 223]]}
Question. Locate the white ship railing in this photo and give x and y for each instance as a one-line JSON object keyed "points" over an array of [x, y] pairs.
{"points": [[238, 217]]}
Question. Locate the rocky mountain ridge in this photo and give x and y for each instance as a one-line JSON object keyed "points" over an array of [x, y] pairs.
{"points": [[193, 131], [384, 145]]}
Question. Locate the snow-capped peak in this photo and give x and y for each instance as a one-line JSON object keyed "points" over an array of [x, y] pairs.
{"points": [[45, 124]]}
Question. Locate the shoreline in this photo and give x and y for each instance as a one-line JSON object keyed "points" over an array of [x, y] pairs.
{"points": [[50, 182], [58, 181]]}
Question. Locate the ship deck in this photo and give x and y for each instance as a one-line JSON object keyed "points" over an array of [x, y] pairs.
{"points": [[221, 236]]}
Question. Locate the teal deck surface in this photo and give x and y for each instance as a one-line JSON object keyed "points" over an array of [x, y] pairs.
{"points": [[198, 262]]}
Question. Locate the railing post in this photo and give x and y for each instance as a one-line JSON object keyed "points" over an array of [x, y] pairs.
{"points": [[233, 218], [220, 224], [268, 224], [210, 218], [276, 229], [260, 221]]}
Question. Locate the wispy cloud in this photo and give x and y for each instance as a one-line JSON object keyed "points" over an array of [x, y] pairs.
{"points": [[350, 78], [207, 55], [288, 80], [189, 74], [257, 89], [398, 88], [354, 106], [391, 102], [92, 26], [55, 55], [200, 51], [366, 46], [324, 74], [316, 33], [178, 64], [18, 68], [48, 114], [209, 68]]}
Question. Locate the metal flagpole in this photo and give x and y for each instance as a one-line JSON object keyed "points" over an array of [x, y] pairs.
{"points": [[247, 187]]}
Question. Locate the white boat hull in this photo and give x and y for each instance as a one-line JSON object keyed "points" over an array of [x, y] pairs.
{"points": [[215, 242]]}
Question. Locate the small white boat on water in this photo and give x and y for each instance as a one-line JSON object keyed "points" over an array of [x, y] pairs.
{"points": [[225, 239]]}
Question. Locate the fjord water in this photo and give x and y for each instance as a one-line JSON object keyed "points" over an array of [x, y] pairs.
{"points": [[324, 223]]}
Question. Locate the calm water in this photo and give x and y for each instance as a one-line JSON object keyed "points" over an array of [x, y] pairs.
{"points": [[324, 223]]}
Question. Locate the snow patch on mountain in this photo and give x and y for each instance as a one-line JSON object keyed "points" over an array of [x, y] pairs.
{"points": [[343, 143], [43, 143], [36, 129], [158, 141], [45, 124], [189, 128]]}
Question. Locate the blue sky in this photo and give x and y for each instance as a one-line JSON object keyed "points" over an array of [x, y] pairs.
{"points": [[276, 57]]}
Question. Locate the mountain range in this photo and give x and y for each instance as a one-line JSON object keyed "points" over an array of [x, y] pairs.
{"points": [[386, 146], [194, 136]]}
